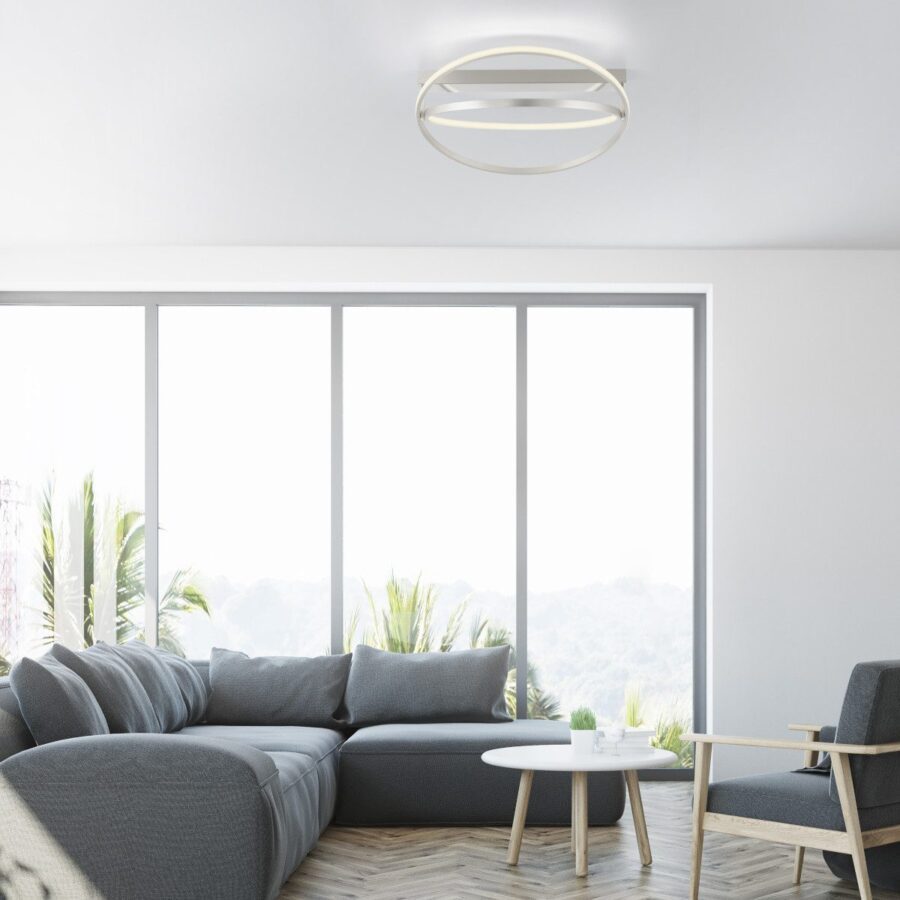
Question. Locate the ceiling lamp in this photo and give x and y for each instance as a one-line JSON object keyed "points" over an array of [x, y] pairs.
{"points": [[582, 98]]}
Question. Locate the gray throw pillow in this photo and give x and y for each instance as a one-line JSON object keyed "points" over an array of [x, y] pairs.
{"points": [[460, 686], [190, 682], [276, 690], [121, 696], [158, 680], [55, 702]]}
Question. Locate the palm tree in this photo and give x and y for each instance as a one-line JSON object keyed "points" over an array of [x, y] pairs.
{"points": [[180, 596]]}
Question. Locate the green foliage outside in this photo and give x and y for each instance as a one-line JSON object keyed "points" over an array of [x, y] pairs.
{"points": [[4, 664], [582, 719], [634, 707], [670, 731], [179, 598], [405, 624]]}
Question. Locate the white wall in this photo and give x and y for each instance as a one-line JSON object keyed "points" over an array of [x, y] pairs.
{"points": [[806, 434]]}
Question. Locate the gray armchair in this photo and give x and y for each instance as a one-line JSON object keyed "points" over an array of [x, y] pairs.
{"points": [[852, 808]]}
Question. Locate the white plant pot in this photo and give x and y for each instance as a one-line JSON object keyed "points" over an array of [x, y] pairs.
{"points": [[582, 741]]}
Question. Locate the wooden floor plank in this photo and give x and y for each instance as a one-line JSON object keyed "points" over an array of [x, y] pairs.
{"points": [[469, 863]]}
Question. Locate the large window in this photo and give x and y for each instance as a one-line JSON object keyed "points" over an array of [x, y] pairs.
{"points": [[416, 473], [71, 476], [244, 461], [610, 510], [430, 475]]}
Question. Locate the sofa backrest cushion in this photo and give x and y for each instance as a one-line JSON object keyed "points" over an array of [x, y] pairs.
{"points": [[460, 686], [871, 715], [192, 684], [158, 679], [276, 690], [55, 702], [15, 736], [121, 695]]}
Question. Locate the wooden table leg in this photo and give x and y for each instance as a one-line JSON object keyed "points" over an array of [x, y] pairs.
{"points": [[574, 807], [579, 782], [518, 827], [637, 813]]}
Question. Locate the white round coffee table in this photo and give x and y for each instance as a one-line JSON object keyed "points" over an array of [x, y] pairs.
{"points": [[562, 758]]}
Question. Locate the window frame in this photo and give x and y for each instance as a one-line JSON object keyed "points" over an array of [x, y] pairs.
{"points": [[573, 296]]}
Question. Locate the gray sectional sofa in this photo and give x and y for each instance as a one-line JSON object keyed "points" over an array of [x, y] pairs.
{"points": [[229, 810]]}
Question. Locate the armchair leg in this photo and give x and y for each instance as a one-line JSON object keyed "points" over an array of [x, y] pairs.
{"points": [[702, 753], [844, 779], [798, 863]]}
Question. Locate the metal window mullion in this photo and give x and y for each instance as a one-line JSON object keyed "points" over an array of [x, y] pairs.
{"points": [[151, 472], [521, 511], [700, 524], [337, 478]]}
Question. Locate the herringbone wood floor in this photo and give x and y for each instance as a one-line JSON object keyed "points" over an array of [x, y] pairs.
{"points": [[464, 863]]}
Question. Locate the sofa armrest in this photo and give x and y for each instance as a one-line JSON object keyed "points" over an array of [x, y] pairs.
{"points": [[142, 816]]}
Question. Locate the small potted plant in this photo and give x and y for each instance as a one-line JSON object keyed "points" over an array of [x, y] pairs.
{"points": [[582, 728]]}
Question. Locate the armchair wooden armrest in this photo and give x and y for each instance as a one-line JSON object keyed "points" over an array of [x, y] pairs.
{"points": [[780, 744], [809, 729]]}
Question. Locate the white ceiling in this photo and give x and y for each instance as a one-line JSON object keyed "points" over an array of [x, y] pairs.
{"points": [[763, 124]]}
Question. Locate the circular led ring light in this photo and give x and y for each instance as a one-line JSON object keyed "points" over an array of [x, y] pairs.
{"points": [[604, 113], [610, 114]]}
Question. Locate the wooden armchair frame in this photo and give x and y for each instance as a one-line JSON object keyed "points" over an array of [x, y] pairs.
{"points": [[852, 840]]}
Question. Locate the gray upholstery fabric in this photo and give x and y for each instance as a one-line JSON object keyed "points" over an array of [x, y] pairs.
{"points": [[121, 696], [322, 745], [823, 766], [201, 667], [194, 688], [432, 774], [55, 702], [158, 680], [795, 798], [314, 742], [327, 769], [299, 783], [14, 733], [871, 715], [149, 816], [462, 686], [883, 864], [275, 690]]}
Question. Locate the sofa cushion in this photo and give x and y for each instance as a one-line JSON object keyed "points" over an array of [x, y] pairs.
{"points": [[795, 798], [121, 695], [275, 690], [432, 774], [313, 742], [321, 745], [54, 701], [158, 680], [299, 782], [461, 686], [194, 687], [15, 735]]}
